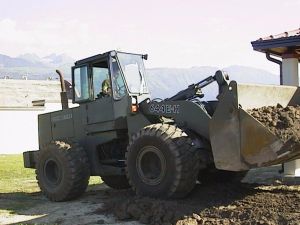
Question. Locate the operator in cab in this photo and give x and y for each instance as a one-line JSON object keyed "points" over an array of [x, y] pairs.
{"points": [[106, 88]]}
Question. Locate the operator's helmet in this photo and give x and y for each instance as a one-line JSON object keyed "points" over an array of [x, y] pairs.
{"points": [[106, 88]]}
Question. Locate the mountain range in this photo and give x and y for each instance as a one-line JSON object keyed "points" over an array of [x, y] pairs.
{"points": [[165, 82], [33, 66], [162, 82]]}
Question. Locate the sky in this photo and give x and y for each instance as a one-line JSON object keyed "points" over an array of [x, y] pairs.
{"points": [[173, 33]]}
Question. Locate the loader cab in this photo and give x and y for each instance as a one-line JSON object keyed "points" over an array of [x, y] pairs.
{"points": [[108, 84], [124, 73]]}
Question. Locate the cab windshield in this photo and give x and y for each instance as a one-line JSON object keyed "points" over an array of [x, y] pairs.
{"points": [[134, 71]]}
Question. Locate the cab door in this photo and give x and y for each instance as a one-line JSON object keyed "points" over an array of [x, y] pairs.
{"points": [[87, 83], [100, 109]]}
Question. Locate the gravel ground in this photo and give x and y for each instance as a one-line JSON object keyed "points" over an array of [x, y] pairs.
{"points": [[39, 210], [266, 202], [228, 203]]}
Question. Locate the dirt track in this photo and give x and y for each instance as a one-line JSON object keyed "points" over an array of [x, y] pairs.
{"points": [[215, 204], [36, 209], [207, 204]]}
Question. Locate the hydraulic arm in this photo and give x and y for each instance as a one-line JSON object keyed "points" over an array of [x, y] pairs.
{"points": [[194, 90]]}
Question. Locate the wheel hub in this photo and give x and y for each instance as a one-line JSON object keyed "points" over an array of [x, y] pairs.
{"points": [[52, 172], [151, 165]]}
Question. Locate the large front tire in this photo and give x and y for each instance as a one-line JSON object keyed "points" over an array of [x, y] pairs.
{"points": [[62, 171], [162, 161]]}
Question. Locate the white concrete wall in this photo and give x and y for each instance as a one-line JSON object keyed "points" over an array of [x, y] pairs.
{"points": [[21, 93], [19, 129], [290, 72], [290, 76]]}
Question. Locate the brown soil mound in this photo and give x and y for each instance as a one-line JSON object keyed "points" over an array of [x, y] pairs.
{"points": [[214, 204], [283, 122]]}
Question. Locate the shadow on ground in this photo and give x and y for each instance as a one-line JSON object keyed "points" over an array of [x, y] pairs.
{"points": [[34, 208], [15, 201]]}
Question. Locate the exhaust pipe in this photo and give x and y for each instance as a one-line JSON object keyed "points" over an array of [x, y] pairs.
{"points": [[63, 93]]}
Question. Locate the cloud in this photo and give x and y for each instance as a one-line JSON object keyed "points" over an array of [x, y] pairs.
{"points": [[180, 43], [48, 36], [291, 3]]}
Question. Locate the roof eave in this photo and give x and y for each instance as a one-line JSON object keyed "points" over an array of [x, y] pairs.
{"points": [[261, 45]]}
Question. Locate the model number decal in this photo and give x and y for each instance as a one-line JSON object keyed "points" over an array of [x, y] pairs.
{"points": [[164, 108], [61, 117]]}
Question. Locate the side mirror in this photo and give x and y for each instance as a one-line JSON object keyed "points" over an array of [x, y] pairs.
{"points": [[145, 56]]}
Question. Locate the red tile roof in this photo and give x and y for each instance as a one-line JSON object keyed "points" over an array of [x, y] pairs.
{"points": [[282, 35], [279, 44]]}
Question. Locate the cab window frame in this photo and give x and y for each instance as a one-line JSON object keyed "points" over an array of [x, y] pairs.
{"points": [[90, 74], [93, 94], [88, 80], [123, 78]]}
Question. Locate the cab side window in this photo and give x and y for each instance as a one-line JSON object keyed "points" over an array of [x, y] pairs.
{"points": [[81, 84], [119, 88], [100, 79]]}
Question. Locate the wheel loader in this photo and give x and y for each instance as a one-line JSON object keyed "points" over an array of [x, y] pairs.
{"points": [[158, 147]]}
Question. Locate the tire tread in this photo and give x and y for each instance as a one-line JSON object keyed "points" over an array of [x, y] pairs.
{"points": [[76, 163], [187, 158]]}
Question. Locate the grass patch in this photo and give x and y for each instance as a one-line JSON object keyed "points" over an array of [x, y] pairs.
{"points": [[15, 178], [18, 185]]}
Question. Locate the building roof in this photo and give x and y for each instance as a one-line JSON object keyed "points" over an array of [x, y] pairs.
{"points": [[21, 93], [283, 43]]}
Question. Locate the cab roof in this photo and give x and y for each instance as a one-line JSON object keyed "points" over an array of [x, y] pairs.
{"points": [[101, 57], [93, 58]]}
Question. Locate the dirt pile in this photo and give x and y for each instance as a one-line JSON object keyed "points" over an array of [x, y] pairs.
{"points": [[281, 121], [213, 204]]}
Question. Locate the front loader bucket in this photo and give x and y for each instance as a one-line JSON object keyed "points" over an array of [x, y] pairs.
{"points": [[238, 140]]}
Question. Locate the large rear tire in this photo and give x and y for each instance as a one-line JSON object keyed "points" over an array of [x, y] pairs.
{"points": [[117, 182], [62, 171], [162, 161]]}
